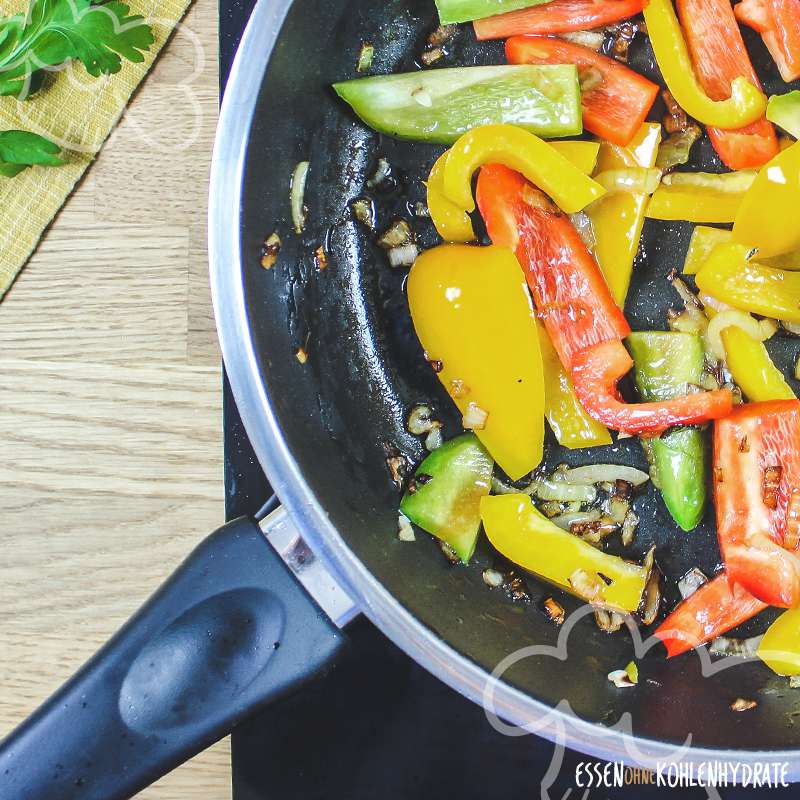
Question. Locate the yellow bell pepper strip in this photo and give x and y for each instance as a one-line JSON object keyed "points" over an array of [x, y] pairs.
{"points": [[568, 419], [752, 368], [746, 104], [700, 197], [524, 152], [728, 275], [767, 217], [780, 646], [453, 223], [518, 531], [618, 219], [473, 316], [703, 242]]}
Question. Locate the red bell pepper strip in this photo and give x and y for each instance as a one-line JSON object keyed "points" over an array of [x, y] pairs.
{"points": [[719, 55], [714, 609], [617, 106], [573, 301], [778, 22], [595, 374], [558, 16], [757, 487], [568, 288]]}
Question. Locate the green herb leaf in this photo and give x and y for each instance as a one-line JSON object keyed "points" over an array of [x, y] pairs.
{"points": [[22, 149], [58, 31]]}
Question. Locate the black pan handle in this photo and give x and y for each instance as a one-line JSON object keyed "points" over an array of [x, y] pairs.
{"points": [[229, 632]]}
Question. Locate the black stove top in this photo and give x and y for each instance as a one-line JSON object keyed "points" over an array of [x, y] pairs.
{"points": [[379, 726]]}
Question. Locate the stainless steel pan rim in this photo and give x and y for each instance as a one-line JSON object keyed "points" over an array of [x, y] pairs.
{"points": [[244, 372]]}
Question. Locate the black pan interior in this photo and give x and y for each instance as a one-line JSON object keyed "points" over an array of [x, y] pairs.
{"points": [[365, 370]]}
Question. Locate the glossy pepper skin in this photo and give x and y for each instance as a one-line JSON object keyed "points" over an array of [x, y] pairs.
{"points": [[780, 646], [700, 197], [615, 108], [571, 296], [746, 104], [778, 22], [767, 216], [752, 368], [730, 277], [667, 363], [559, 16], [571, 425], [452, 223], [451, 11], [719, 56], [714, 609], [523, 151], [618, 218], [523, 535], [465, 303], [756, 470], [595, 374]]}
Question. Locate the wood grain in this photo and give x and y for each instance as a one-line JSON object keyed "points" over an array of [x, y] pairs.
{"points": [[110, 403]]}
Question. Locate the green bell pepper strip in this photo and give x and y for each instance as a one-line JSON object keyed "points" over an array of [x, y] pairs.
{"points": [[440, 105], [665, 364], [467, 10], [445, 494]]}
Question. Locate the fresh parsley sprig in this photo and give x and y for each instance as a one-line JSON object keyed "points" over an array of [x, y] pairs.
{"points": [[22, 149], [55, 32]]}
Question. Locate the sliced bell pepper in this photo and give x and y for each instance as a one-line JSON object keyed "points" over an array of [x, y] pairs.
{"points": [[451, 11], [570, 293], [784, 111], [618, 218], [752, 368], [779, 648], [715, 608], [452, 223], [756, 477], [747, 102], [728, 275], [767, 216], [439, 105], [667, 364], [473, 316], [615, 105], [703, 242], [568, 419], [559, 16], [518, 531], [445, 494], [525, 152], [719, 56], [778, 22], [595, 374], [700, 196]]}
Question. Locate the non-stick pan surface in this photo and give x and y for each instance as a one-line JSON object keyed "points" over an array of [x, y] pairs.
{"points": [[339, 411]]}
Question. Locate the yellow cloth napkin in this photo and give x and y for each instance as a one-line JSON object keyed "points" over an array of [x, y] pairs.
{"points": [[78, 112]]}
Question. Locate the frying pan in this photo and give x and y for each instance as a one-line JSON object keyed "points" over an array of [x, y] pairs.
{"points": [[233, 629]]}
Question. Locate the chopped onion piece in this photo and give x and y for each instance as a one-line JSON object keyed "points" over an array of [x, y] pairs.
{"points": [[583, 225], [364, 211], [768, 328], [740, 704], [727, 319], [634, 180], [383, 172], [365, 57], [563, 492], [475, 418], [297, 196], [691, 582], [420, 420], [594, 40], [434, 440], [629, 526], [734, 182], [493, 578], [727, 646], [605, 473], [403, 256], [405, 533], [398, 234], [566, 521], [621, 679], [677, 149], [608, 621]]}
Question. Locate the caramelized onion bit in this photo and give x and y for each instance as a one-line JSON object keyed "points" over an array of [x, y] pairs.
{"points": [[608, 621], [554, 611]]}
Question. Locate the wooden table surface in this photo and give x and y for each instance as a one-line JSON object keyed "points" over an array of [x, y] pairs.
{"points": [[110, 401]]}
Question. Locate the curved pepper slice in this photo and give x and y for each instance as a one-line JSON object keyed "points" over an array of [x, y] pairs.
{"points": [[780, 646], [756, 478], [767, 216], [715, 608], [752, 368], [524, 152], [571, 296], [523, 535], [473, 315], [728, 275], [746, 104], [452, 223], [595, 374]]}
